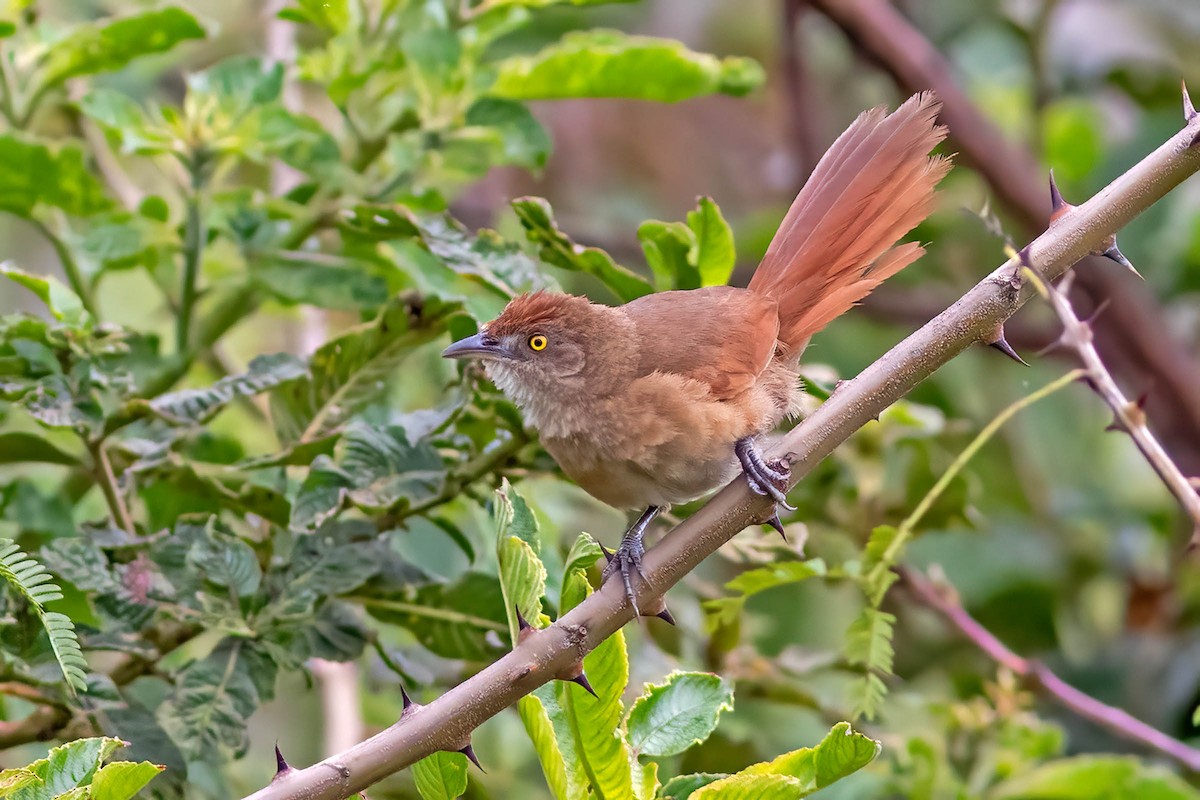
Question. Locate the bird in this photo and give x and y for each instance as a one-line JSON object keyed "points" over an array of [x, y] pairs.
{"points": [[659, 401]]}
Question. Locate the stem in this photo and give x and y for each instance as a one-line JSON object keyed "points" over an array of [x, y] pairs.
{"points": [[112, 492], [193, 244], [944, 600], [905, 530], [449, 720], [70, 266]]}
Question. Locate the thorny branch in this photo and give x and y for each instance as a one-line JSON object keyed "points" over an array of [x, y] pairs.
{"points": [[447, 723], [944, 600], [1128, 415]]}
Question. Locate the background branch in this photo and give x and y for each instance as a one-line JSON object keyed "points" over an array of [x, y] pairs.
{"points": [[447, 723], [944, 600]]}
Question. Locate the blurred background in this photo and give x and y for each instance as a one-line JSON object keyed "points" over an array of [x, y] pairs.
{"points": [[1058, 537]]}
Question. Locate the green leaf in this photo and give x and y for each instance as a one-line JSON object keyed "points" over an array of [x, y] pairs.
{"points": [[331, 16], [207, 713], [455, 620], [12, 780], [545, 722], [112, 44], [595, 722], [606, 63], [681, 786], [32, 174], [62, 303], [682, 711], [1095, 778], [190, 406], [522, 574], [67, 767], [441, 776], [869, 645], [126, 123], [799, 773], [341, 288], [715, 254], [375, 469], [526, 142], [348, 372], [122, 780], [28, 578], [226, 561], [556, 248], [725, 610], [17, 447]]}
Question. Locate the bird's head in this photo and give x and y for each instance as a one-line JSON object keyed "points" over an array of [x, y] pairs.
{"points": [[545, 344]]}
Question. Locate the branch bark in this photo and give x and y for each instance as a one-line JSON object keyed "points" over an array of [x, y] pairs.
{"points": [[1132, 338], [448, 722]]}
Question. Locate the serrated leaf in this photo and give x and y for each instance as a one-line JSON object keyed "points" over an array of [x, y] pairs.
{"points": [[375, 468], [584, 553], [12, 780], [725, 610], [799, 773], [63, 304], [441, 776], [214, 697], [1095, 778], [607, 63], [331, 16], [31, 174], [522, 574], [190, 406], [350, 371], [67, 767], [341, 288], [127, 123], [112, 44], [595, 722], [556, 248], [122, 780], [682, 711], [666, 246], [455, 620], [228, 562]]}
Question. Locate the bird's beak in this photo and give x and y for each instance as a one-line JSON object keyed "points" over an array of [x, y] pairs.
{"points": [[477, 346]]}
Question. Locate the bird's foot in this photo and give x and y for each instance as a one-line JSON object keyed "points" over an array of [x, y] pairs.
{"points": [[766, 478], [626, 561]]}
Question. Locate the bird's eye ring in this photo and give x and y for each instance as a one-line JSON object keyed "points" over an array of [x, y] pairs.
{"points": [[537, 342]]}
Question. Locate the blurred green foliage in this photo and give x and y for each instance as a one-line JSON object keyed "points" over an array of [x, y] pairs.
{"points": [[218, 504]]}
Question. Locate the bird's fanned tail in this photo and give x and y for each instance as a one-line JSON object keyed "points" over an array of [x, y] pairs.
{"points": [[838, 240]]}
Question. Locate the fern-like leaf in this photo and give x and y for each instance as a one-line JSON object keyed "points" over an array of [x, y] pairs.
{"points": [[30, 580]]}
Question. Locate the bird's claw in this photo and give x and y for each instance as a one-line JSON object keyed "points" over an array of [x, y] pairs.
{"points": [[769, 479], [627, 560]]}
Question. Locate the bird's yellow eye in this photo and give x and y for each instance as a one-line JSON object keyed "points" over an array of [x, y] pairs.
{"points": [[538, 342]]}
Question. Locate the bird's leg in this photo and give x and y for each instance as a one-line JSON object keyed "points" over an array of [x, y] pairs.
{"points": [[628, 558], [769, 479]]}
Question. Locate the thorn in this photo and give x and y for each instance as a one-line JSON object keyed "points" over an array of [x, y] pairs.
{"points": [[998, 342], [665, 616], [777, 524], [1066, 282], [1189, 110], [1116, 426], [469, 752], [582, 680], [608, 554], [408, 703], [1114, 253], [281, 765], [522, 623], [1058, 206]]}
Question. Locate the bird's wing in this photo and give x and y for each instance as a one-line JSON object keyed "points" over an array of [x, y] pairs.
{"points": [[721, 336]]}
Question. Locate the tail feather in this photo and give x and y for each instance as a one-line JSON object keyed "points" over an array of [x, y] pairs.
{"points": [[838, 240]]}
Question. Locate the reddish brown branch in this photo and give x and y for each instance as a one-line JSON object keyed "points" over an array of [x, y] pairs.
{"points": [[944, 600]]}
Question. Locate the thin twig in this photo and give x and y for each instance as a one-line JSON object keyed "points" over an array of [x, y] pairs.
{"points": [[1127, 415], [75, 277], [111, 489], [944, 600], [449, 720], [193, 248]]}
